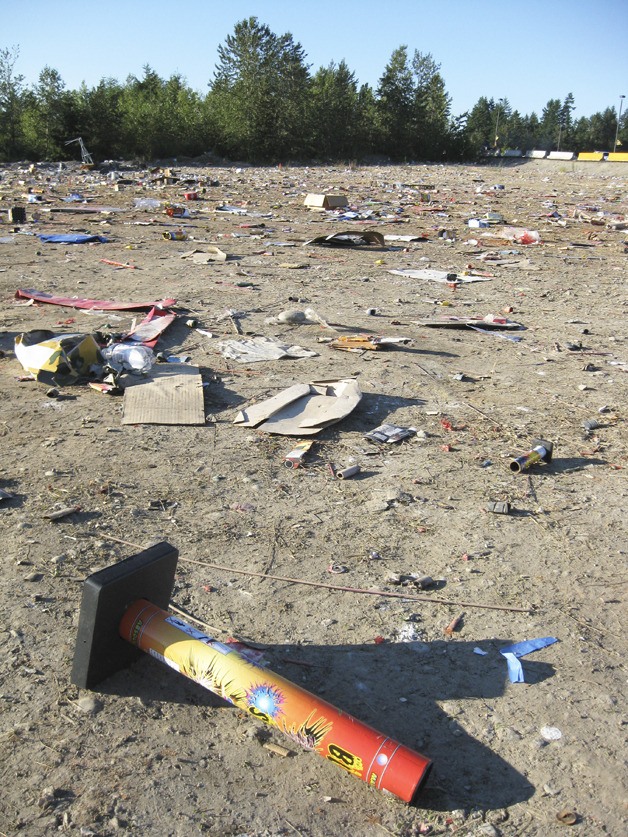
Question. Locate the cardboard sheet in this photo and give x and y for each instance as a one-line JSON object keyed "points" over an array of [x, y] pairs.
{"points": [[171, 394], [303, 409]]}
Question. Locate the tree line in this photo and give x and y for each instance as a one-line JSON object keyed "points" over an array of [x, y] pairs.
{"points": [[265, 105]]}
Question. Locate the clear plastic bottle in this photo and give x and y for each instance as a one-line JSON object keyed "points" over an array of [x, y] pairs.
{"points": [[126, 357]]}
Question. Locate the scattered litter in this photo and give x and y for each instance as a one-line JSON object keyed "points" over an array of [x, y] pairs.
{"points": [[422, 582], [337, 569], [73, 239], [303, 409], [406, 238], [59, 514], [123, 357], [277, 749], [91, 304], [388, 433], [258, 349], [542, 451], [119, 264], [152, 326], [366, 342], [479, 651], [296, 317], [210, 254], [57, 359], [441, 276], [169, 394], [295, 457], [348, 239], [567, 817], [520, 649], [314, 201], [499, 507], [551, 734], [347, 473], [490, 321], [453, 626]]}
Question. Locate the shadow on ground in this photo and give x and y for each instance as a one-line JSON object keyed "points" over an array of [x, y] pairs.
{"points": [[397, 689]]}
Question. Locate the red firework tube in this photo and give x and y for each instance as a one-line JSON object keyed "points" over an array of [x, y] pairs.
{"points": [[307, 720]]}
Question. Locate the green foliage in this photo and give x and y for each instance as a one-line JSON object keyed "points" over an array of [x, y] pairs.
{"points": [[11, 103], [395, 106], [264, 105], [432, 108], [260, 94]]}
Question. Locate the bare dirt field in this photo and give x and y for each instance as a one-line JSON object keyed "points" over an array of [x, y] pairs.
{"points": [[149, 752]]}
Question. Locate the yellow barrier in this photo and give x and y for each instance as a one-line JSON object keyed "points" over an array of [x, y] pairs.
{"points": [[593, 156], [618, 157]]}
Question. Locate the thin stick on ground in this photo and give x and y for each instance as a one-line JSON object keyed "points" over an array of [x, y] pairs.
{"points": [[342, 589]]}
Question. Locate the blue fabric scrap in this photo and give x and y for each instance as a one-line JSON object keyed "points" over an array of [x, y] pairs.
{"points": [[72, 239], [520, 649]]}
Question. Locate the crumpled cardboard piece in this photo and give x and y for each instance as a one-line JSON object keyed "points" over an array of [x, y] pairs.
{"points": [[303, 409], [210, 254], [348, 238], [58, 359]]}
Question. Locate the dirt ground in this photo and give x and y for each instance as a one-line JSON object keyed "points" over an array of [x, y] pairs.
{"points": [[151, 753]]}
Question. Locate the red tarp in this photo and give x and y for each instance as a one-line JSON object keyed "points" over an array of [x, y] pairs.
{"points": [[90, 304]]}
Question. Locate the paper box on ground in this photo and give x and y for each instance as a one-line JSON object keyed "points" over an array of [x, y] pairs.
{"points": [[313, 201]]}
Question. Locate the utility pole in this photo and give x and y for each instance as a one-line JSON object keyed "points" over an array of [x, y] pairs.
{"points": [[621, 104]]}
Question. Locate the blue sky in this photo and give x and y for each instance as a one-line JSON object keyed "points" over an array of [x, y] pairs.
{"points": [[527, 52]]}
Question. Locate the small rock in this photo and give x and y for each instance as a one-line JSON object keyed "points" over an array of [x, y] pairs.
{"points": [[89, 705], [488, 830], [47, 799], [497, 816], [551, 733]]}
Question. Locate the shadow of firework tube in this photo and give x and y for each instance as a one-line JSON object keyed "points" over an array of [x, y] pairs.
{"points": [[313, 723]]}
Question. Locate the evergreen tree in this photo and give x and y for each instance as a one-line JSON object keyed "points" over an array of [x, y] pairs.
{"points": [[260, 93], [395, 106], [46, 120], [335, 112], [99, 118], [565, 122], [431, 108], [550, 124], [11, 104], [480, 126]]}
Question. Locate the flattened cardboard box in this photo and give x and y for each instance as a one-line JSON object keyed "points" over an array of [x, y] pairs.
{"points": [[171, 394]]}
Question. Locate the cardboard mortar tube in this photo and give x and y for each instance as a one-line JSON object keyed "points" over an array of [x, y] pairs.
{"points": [[307, 720]]}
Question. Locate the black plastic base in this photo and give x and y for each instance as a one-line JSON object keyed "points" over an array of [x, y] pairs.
{"points": [[100, 650], [549, 447]]}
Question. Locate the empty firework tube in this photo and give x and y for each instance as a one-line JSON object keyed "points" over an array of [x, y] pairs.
{"points": [[347, 473], [306, 719], [541, 452]]}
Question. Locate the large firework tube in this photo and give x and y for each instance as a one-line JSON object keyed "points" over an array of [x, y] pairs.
{"points": [[307, 720], [541, 452]]}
